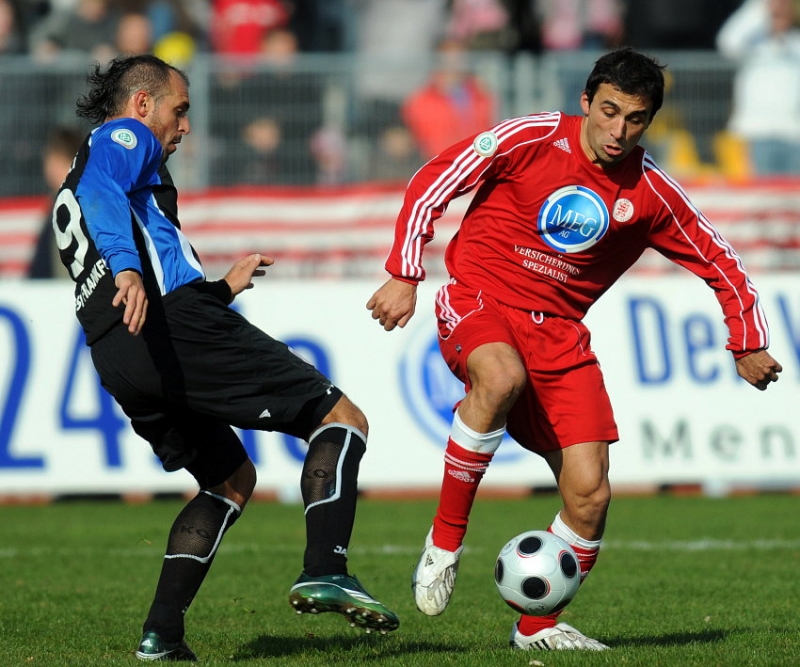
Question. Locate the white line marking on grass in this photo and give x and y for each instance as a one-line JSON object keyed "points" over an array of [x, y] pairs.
{"points": [[688, 546]]}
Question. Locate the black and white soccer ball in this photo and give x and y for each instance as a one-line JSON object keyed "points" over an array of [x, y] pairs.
{"points": [[537, 573]]}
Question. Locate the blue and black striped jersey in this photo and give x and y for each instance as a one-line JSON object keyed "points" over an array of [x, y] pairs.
{"points": [[117, 210]]}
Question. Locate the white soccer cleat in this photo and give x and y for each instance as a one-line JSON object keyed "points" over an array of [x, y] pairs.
{"points": [[562, 637], [434, 577]]}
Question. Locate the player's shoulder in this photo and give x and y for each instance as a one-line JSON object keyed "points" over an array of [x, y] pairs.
{"points": [[530, 127], [127, 133], [655, 180], [512, 133]]}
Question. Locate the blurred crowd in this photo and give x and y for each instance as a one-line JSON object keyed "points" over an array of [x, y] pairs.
{"points": [[47, 29], [270, 120]]}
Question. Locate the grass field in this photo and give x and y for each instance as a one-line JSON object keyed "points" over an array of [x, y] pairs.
{"points": [[681, 581]]}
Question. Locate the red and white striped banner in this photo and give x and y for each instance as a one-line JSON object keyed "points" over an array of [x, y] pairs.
{"points": [[346, 231]]}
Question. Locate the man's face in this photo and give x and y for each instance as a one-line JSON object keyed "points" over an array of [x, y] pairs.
{"points": [[169, 119], [614, 123]]}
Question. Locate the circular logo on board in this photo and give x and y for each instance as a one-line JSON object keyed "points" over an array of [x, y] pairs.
{"points": [[485, 144], [124, 138], [573, 219]]}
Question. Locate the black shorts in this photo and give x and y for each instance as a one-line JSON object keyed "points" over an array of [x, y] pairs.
{"points": [[198, 368]]}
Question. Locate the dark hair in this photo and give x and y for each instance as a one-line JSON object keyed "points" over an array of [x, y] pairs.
{"points": [[110, 88], [631, 72]]}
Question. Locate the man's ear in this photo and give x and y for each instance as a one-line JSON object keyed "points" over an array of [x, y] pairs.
{"points": [[585, 103], [142, 103]]}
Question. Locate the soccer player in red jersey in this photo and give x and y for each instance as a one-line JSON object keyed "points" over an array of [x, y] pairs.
{"points": [[564, 205]]}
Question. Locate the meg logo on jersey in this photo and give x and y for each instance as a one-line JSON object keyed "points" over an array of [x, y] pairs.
{"points": [[573, 219]]}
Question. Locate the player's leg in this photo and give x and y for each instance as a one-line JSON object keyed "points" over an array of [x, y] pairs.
{"points": [[566, 402], [496, 376], [581, 472], [329, 486], [226, 477], [260, 383], [134, 374], [477, 343]]}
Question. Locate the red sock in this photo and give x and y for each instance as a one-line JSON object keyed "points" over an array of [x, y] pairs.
{"points": [[530, 625], [463, 471]]}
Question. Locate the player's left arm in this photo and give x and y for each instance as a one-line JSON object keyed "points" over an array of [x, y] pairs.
{"points": [[685, 236], [759, 369], [240, 277]]}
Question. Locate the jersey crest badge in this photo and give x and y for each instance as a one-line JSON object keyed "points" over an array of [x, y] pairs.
{"points": [[623, 210], [485, 144], [573, 219], [124, 138]]}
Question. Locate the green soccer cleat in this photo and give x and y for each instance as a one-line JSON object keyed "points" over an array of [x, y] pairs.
{"points": [[152, 647], [343, 594]]}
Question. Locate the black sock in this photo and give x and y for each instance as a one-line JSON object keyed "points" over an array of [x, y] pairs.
{"points": [[330, 486], [193, 542]]}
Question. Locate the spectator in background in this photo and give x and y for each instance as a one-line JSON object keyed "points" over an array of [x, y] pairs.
{"points": [[395, 157], [260, 157], [62, 144], [568, 25], [134, 34], [323, 26], [268, 112], [480, 24], [87, 29], [12, 31], [394, 38], [451, 105], [167, 17], [675, 24], [763, 37], [238, 27]]}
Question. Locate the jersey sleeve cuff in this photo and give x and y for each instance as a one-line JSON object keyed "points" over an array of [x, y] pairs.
{"points": [[741, 354], [410, 281], [216, 288]]}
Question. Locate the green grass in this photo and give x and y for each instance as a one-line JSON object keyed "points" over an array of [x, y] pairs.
{"points": [[681, 581]]}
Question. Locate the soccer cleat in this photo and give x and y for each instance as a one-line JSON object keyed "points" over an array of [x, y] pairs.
{"points": [[434, 577], [152, 647], [344, 595], [559, 638]]}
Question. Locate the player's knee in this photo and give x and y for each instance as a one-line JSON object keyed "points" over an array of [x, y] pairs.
{"points": [[348, 413], [499, 384], [240, 485]]}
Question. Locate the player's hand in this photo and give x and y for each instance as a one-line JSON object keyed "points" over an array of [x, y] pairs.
{"points": [[130, 292], [393, 304], [240, 276], [759, 369]]}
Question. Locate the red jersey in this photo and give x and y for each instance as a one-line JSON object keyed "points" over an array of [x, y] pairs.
{"points": [[549, 231]]}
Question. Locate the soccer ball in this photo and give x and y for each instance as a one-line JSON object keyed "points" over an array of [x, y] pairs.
{"points": [[537, 573]]}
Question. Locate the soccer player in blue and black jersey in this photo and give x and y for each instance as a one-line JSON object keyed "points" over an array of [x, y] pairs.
{"points": [[185, 367]]}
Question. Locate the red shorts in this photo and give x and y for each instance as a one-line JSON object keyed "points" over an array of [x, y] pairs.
{"points": [[565, 401]]}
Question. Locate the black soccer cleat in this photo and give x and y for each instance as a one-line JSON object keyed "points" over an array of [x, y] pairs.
{"points": [[344, 595], [152, 647]]}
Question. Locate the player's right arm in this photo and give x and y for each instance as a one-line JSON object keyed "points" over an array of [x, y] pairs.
{"points": [[394, 303], [454, 172], [131, 294]]}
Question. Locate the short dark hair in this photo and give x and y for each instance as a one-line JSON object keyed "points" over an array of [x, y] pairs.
{"points": [[111, 87], [631, 72]]}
